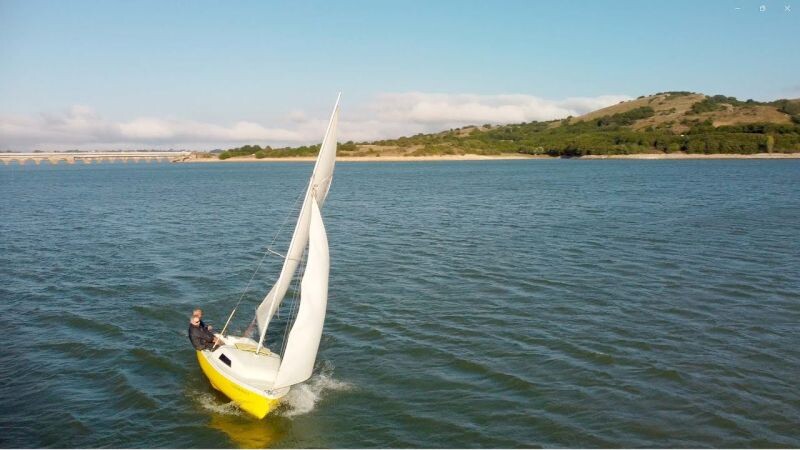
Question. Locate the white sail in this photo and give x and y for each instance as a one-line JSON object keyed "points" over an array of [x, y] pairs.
{"points": [[323, 169], [318, 188], [297, 361]]}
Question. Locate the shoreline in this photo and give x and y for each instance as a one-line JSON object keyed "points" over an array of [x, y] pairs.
{"points": [[397, 158], [388, 158], [672, 156], [133, 157]]}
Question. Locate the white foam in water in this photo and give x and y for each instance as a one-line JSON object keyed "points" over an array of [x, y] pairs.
{"points": [[302, 398], [212, 403]]}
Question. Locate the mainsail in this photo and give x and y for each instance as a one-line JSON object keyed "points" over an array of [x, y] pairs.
{"points": [[297, 361], [317, 192]]}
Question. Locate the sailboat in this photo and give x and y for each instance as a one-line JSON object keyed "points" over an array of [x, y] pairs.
{"points": [[243, 368]]}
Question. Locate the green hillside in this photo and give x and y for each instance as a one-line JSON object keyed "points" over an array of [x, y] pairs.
{"points": [[662, 123]]}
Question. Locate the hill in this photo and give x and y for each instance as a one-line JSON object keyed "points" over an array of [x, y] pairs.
{"points": [[666, 122]]}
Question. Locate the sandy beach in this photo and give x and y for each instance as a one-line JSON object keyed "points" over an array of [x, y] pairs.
{"points": [[511, 156], [388, 158], [697, 156]]}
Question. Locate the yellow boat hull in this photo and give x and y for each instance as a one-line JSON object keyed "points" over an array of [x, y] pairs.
{"points": [[251, 401]]}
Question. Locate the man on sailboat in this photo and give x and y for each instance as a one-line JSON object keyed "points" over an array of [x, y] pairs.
{"points": [[199, 313], [200, 337]]}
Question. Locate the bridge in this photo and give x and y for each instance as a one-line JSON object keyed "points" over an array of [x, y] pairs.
{"points": [[93, 157]]}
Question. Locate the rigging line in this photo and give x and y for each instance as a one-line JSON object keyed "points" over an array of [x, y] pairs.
{"points": [[303, 194], [246, 288], [296, 298], [295, 302], [252, 277], [285, 220]]}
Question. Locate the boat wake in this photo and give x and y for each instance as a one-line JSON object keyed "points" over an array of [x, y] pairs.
{"points": [[303, 397], [300, 400]]}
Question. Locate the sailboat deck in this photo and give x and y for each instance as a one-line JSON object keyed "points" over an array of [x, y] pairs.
{"points": [[238, 360], [252, 348]]}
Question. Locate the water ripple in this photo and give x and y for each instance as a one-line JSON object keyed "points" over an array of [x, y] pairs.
{"points": [[495, 304]]}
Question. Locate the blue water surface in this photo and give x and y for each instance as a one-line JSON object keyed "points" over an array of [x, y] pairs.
{"points": [[472, 304]]}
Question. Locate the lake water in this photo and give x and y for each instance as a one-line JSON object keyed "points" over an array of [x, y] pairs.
{"points": [[472, 304]]}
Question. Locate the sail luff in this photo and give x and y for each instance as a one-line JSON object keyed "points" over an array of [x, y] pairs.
{"points": [[318, 187]]}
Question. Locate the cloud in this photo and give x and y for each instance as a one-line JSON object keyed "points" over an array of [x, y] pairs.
{"points": [[397, 114], [152, 130], [80, 127], [426, 108], [386, 115]]}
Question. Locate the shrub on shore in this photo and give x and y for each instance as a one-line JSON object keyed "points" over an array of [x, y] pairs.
{"points": [[637, 130]]}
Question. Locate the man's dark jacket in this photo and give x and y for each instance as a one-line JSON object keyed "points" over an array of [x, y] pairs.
{"points": [[201, 338]]}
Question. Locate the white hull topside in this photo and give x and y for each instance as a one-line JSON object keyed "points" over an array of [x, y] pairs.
{"points": [[237, 361]]}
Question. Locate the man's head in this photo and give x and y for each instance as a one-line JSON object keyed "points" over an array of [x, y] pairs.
{"points": [[197, 313], [195, 321]]}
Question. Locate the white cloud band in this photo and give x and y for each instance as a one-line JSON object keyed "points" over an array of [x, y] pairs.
{"points": [[388, 115]]}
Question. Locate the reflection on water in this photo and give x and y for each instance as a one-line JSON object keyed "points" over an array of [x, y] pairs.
{"points": [[245, 432]]}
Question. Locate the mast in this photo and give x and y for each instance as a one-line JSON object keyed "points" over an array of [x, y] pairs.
{"points": [[317, 191]]}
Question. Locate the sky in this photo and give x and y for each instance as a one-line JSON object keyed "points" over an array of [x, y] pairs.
{"points": [[201, 75]]}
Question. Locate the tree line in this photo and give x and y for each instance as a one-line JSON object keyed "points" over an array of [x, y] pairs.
{"points": [[607, 135]]}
